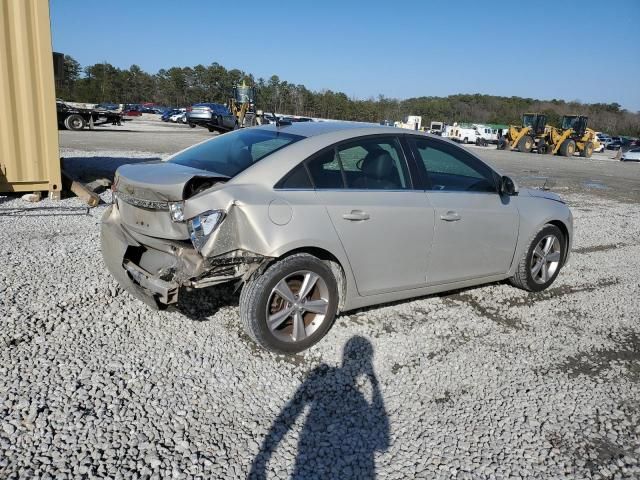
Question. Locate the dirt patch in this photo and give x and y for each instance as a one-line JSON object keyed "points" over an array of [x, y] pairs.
{"points": [[593, 363], [557, 292], [446, 398], [600, 248], [492, 312]]}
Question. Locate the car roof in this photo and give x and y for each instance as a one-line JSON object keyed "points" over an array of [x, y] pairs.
{"points": [[209, 103], [312, 129]]}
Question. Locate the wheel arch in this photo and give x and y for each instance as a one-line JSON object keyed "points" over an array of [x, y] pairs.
{"points": [[567, 236], [332, 260], [533, 219]]}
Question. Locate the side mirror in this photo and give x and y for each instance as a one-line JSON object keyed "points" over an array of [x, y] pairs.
{"points": [[508, 186]]}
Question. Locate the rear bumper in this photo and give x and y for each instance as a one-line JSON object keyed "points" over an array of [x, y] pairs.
{"points": [[153, 270], [116, 245]]}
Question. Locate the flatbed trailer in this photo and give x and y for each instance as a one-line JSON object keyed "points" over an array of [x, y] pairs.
{"points": [[76, 118]]}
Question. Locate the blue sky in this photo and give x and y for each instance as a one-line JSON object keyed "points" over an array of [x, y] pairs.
{"points": [[581, 50]]}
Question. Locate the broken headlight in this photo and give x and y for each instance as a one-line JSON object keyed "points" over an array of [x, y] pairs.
{"points": [[176, 210], [202, 226]]}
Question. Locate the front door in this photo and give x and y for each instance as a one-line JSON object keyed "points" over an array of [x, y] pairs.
{"points": [[476, 228], [385, 227]]}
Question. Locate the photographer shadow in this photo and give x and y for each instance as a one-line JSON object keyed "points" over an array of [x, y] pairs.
{"points": [[343, 429]]}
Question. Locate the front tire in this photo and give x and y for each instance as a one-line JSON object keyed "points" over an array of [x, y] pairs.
{"points": [[525, 144], [291, 306], [587, 151], [568, 148], [542, 261]]}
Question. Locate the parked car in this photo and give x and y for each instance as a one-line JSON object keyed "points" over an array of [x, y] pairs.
{"points": [[168, 113], [213, 116], [615, 144], [180, 117], [316, 218], [632, 155], [604, 141], [132, 111]]}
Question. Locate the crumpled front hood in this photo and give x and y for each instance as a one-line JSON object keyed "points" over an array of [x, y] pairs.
{"points": [[158, 181], [541, 194]]}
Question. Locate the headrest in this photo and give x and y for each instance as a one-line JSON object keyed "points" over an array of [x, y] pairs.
{"points": [[377, 164]]}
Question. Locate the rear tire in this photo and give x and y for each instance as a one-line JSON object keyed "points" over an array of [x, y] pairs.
{"points": [[568, 148], [525, 144], [587, 151], [533, 265], [75, 122], [259, 297]]}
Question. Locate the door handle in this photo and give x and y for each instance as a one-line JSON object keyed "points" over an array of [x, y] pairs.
{"points": [[356, 215], [450, 216]]}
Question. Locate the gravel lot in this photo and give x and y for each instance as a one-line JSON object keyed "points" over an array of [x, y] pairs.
{"points": [[488, 382]]}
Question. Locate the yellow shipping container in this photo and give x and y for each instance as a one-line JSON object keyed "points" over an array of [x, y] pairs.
{"points": [[29, 158]]}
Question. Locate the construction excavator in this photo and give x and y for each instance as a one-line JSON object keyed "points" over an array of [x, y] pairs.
{"points": [[530, 135], [535, 134], [242, 105]]}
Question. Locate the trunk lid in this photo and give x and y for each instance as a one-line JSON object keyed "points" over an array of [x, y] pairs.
{"points": [[144, 191]]}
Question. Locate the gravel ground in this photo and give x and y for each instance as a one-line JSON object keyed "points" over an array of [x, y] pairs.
{"points": [[487, 382]]}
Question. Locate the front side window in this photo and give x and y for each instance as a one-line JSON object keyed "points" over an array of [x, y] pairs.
{"points": [[449, 168], [233, 152]]}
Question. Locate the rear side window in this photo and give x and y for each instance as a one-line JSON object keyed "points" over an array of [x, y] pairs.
{"points": [[374, 164], [449, 168], [325, 170], [298, 178]]}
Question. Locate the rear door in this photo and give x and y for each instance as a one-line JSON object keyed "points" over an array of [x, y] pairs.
{"points": [[476, 228], [385, 226]]}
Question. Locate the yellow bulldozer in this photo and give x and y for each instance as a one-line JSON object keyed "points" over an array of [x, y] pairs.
{"points": [[531, 134], [242, 105], [572, 136], [535, 134]]}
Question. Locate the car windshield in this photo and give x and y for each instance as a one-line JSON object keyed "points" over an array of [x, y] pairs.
{"points": [[233, 152]]}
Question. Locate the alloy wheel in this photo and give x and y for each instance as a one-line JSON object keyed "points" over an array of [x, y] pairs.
{"points": [[297, 306], [545, 259]]}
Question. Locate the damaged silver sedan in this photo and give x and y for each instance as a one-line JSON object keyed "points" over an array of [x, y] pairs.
{"points": [[312, 219]]}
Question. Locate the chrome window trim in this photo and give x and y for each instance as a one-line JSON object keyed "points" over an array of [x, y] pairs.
{"points": [[348, 190]]}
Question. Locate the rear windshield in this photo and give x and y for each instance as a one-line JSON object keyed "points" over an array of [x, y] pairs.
{"points": [[233, 152]]}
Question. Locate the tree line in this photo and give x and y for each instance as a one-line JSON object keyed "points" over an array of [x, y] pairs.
{"points": [[182, 86]]}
